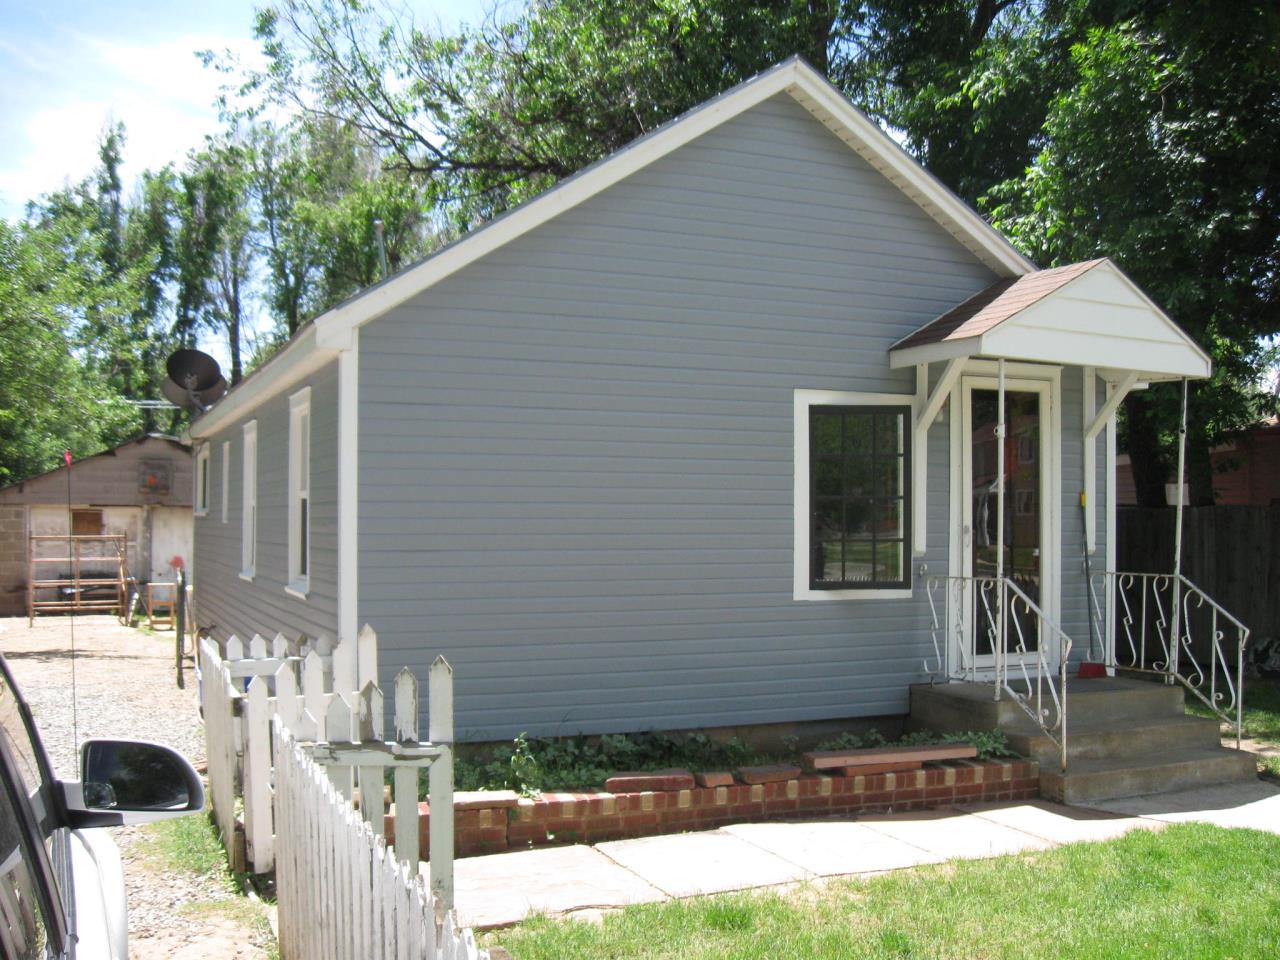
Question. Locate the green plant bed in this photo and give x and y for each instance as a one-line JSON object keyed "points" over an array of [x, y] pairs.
{"points": [[1191, 890], [532, 765]]}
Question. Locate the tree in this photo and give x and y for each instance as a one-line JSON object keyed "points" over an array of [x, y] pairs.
{"points": [[1161, 154], [214, 251], [55, 393]]}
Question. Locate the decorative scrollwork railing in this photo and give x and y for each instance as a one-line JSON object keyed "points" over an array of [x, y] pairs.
{"points": [[1015, 631], [1164, 624]]}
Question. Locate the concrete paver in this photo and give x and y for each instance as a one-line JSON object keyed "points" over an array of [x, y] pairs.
{"points": [[713, 862], [948, 834], [829, 848], [505, 888], [1057, 823]]}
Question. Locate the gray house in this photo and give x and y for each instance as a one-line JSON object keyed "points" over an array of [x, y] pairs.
{"points": [[709, 434]]}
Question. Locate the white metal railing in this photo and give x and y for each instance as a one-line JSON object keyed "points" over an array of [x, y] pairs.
{"points": [[1005, 614], [1171, 628]]}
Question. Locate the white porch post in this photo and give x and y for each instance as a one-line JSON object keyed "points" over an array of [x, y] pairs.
{"points": [[1002, 597], [1175, 640]]}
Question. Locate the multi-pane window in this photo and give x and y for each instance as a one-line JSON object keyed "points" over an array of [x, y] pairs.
{"points": [[300, 490], [858, 505], [249, 514]]}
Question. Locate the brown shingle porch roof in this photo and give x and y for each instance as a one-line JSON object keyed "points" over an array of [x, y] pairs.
{"points": [[994, 305]]}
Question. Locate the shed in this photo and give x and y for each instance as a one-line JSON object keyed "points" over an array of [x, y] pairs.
{"points": [[141, 490]]}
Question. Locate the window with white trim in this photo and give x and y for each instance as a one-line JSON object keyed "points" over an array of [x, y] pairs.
{"points": [[202, 481], [249, 515], [853, 496], [226, 478], [300, 491]]}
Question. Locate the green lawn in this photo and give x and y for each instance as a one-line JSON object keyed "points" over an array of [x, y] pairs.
{"points": [[1191, 890]]}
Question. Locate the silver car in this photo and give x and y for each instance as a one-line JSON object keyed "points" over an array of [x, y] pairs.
{"points": [[61, 883]]}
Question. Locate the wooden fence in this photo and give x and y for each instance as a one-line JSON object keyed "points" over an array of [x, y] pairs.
{"points": [[1232, 553], [293, 744]]}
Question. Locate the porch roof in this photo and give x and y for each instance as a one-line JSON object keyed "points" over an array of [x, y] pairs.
{"points": [[1085, 314]]}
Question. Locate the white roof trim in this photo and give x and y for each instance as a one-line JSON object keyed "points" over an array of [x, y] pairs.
{"points": [[793, 77], [1169, 356]]}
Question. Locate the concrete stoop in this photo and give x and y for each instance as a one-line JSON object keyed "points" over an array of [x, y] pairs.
{"points": [[1125, 737]]}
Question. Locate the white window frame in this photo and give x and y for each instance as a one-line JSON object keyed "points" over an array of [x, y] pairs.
{"points": [[299, 579], [804, 399], [202, 481], [249, 501], [226, 479]]}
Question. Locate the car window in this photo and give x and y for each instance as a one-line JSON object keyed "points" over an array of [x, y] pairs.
{"points": [[23, 925], [25, 753]]}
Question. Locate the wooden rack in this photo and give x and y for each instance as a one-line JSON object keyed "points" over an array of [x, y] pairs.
{"points": [[69, 591]]}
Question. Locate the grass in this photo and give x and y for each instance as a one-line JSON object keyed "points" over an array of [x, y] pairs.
{"points": [[1261, 716], [1190, 890], [187, 845]]}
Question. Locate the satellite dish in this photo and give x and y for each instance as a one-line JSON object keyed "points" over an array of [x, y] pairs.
{"points": [[195, 380]]}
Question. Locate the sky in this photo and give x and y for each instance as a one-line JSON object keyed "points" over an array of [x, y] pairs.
{"points": [[68, 68]]}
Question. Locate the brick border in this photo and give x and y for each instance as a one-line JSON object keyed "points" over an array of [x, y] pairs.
{"points": [[560, 818]]}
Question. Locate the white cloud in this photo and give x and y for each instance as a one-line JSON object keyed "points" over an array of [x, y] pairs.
{"points": [[160, 91]]}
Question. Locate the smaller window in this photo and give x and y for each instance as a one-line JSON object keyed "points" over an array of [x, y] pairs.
{"points": [[300, 492], [226, 478], [202, 481], [86, 523], [249, 516]]}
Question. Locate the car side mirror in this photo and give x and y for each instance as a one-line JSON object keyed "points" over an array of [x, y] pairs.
{"points": [[131, 781]]}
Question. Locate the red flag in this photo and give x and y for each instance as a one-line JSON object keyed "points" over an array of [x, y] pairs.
{"points": [[67, 457]]}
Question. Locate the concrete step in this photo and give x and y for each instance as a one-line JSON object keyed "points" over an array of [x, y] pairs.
{"points": [[1090, 739], [953, 707], [1087, 781]]}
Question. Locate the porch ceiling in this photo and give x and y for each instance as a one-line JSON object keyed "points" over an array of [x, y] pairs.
{"points": [[1085, 314]]}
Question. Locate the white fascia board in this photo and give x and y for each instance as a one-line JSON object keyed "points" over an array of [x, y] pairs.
{"points": [[301, 358], [1151, 304], [934, 352]]}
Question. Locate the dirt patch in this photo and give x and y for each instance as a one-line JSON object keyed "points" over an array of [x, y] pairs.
{"points": [[125, 686]]}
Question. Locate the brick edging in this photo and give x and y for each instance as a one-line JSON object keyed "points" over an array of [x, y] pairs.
{"points": [[560, 818]]}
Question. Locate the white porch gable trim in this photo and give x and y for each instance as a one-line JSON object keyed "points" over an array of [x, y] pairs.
{"points": [[1098, 318]]}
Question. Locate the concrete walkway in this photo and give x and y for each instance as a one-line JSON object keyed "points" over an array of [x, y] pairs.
{"points": [[505, 888]]}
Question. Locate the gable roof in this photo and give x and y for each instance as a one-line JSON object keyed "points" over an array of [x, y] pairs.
{"points": [[318, 342], [1089, 314]]}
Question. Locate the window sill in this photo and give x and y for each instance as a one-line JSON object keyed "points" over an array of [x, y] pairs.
{"points": [[298, 588], [888, 593], [246, 575], [201, 513]]}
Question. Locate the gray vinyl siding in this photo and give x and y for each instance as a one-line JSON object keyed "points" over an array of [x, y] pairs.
{"points": [[576, 453], [228, 604]]}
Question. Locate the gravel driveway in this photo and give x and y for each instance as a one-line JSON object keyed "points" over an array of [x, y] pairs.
{"points": [[125, 687]]}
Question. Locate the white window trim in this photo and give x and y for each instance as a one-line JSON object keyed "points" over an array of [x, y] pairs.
{"points": [[804, 399], [226, 479], [299, 413], [249, 502], [202, 482]]}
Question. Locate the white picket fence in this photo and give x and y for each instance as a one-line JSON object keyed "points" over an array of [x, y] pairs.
{"points": [[293, 745]]}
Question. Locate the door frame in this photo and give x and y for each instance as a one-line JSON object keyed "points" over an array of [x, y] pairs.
{"points": [[1047, 380]]}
